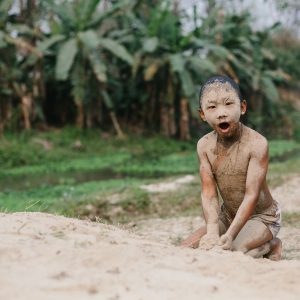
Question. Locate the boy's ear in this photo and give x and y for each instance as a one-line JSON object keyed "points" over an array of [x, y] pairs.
{"points": [[243, 107], [201, 115]]}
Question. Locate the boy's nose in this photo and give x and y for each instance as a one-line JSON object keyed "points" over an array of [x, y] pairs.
{"points": [[222, 114]]}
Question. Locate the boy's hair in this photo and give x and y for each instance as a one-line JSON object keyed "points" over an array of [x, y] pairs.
{"points": [[219, 79]]}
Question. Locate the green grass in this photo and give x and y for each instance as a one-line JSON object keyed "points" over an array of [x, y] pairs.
{"points": [[291, 219], [282, 147], [82, 182]]}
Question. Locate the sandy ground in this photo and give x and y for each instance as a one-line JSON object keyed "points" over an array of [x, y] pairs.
{"points": [[44, 256]]}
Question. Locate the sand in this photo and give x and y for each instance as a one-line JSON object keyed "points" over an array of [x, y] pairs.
{"points": [[44, 256]]}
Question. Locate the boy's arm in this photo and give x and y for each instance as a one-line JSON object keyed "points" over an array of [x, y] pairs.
{"points": [[256, 175], [210, 203]]}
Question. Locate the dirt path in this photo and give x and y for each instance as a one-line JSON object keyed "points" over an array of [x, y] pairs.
{"points": [[44, 256]]}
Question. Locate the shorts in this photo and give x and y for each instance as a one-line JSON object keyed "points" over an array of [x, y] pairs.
{"points": [[270, 217]]}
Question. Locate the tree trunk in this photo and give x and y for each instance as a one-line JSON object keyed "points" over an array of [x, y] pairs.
{"points": [[172, 124], [80, 114], [116, 125], [26, 104], [164, 120], [184, 120]]}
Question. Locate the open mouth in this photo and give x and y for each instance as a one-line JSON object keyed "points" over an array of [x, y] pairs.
{"points": [[224, 125]]}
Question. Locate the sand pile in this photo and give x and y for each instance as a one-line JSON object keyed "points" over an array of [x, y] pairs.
{"points": [[44, 256]]}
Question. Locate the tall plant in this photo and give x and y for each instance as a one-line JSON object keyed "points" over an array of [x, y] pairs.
{"points": [[79, 40], [167, 69]]}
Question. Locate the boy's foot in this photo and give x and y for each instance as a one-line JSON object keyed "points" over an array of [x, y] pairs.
{"points": [[276, 249]]}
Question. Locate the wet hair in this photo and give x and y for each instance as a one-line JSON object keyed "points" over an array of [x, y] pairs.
{"points": [[219, 79]]}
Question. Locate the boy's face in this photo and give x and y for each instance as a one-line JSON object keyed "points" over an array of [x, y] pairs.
{"points": [[221, 108]]}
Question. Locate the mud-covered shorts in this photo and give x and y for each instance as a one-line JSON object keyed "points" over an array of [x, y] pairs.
{"points": [[270, 217]]}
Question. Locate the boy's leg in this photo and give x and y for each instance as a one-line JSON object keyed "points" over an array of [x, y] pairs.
{"points": [[255, 239], [193, 240], [276, 249], [271, 250]]}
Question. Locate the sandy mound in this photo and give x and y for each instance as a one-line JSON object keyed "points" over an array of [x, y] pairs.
{"points": [[51, 257]]}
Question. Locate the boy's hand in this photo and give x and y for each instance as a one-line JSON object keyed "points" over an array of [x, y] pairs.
{"points": [[225, 242], [208, 241]]}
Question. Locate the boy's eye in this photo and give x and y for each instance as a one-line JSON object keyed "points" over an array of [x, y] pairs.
{"points": [[211, 107], [228, 103]]}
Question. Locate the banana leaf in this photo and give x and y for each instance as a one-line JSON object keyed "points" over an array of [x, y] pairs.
{"points": [[269, 89], [49, 42], [98, 67], [65, 59], [201, 65], [107, 100], [117, 49], [90, 39], [177, 63], [3, 43], [150, 44], [187, 84]]}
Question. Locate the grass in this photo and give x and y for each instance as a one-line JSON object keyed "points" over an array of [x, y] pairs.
{"points": [[291, 219], [282, 147], [102, 177]]}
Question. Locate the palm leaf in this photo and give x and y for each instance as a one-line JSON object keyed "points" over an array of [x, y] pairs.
{"points": [[78, 83], [64, 12], [117, 49], [177, 63], [90, 39], [65, 59], [107, 100], [150, 44], [88, 8], [269, 89], [187, 83], [219, 51], [47, 43], [98, 67], [99, 18], [201, 65], [2, 40]]}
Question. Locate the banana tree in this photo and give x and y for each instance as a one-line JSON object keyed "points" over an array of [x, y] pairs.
{"points": [[171, 68], [16, 49], [81, 44], [248, 57]]}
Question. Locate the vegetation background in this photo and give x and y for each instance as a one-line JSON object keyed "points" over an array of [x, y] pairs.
{"points": [[98, 98]]}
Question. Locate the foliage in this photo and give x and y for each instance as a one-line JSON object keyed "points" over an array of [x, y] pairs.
{"points": [[132, 64]]}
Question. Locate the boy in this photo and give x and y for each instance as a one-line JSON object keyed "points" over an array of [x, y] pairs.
{"points": [[233, 163]]}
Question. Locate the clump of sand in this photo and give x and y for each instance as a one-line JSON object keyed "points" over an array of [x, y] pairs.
{"points": [[44, 256]]}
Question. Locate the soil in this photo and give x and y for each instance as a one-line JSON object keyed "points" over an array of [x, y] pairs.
{"points": [[45, 256]]}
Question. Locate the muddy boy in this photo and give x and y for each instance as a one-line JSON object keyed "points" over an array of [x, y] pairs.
{"points": [[238, 208]]}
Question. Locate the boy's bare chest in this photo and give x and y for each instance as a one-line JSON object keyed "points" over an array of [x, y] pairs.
{"points": [[229, 161]]}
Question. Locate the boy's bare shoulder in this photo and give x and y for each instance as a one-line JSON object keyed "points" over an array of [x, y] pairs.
{"points": [[255, 142], [206, 142]]}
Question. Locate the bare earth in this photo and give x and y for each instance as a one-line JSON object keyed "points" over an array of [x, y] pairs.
{"points": [[45, 256]]}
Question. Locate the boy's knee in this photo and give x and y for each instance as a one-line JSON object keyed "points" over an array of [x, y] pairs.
{"points": [[239, 247]]}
